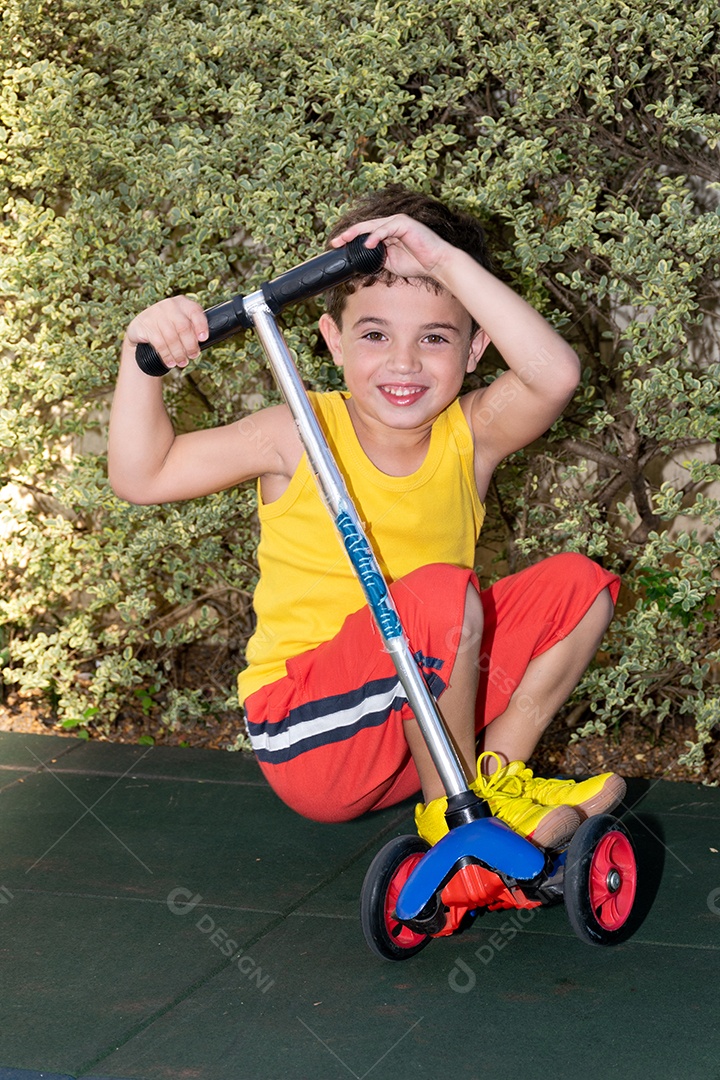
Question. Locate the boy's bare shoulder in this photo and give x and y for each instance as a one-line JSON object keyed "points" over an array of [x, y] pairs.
{"points": [[512, 411], [272, 440], [469, 402], [261, 445]]}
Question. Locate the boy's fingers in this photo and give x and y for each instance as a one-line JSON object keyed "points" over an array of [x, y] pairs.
{"points": [[195, 316], [189, 327], [169, 345], [188, 338], [377, 230], [174, 328], [170, 348], [412, 248]]}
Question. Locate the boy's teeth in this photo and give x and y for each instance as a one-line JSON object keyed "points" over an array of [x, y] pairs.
{"points": [[398, 391]]}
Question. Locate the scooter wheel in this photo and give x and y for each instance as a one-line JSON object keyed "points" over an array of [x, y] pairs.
{"points": [[384, 879], [600, 881]]}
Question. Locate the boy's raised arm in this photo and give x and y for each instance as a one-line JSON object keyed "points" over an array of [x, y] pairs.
{"points": [[544, 371], [147, 461], [521, 404]]}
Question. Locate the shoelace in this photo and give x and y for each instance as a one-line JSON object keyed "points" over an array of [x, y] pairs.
{"points": [[497, 783]]}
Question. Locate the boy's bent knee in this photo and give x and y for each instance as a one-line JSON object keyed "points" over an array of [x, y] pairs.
{"points": [[467, 636], [430, 583], [572, 570], [440, 608], [572, 563]]}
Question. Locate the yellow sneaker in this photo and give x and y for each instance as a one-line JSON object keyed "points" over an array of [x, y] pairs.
{"points": [[548, 827], [598, 795], [430, 820], [503, 790]]}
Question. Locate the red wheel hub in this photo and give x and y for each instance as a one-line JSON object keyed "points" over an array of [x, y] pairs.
{"points": [[613, 880], [401, 934]]}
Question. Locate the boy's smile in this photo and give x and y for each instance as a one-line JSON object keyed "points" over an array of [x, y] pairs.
{"points": [[404, 349], [402, 395]]}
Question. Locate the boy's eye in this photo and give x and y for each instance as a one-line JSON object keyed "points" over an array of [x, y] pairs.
{"points": [[435, 339], [373, 335]]}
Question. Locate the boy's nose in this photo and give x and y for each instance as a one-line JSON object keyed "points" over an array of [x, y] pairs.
{"points": [[404, 359]]}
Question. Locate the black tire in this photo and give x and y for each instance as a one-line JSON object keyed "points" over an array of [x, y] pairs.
{"points": [[600, 881], [386, 874]]}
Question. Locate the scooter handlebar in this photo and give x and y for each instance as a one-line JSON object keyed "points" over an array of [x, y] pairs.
{"points": [[323, 272], [310, 278], [224, 320]]}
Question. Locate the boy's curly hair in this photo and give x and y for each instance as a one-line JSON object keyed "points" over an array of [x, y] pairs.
{"points": [[459, 229]]}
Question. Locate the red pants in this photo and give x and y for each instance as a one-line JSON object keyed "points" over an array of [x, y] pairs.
{"points": [[329, 735]]}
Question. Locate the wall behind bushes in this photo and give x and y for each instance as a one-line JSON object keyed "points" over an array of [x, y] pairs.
{"points": [[151, 148]]}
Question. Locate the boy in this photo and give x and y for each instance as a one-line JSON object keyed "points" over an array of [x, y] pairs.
{"points": [[325, 711]]}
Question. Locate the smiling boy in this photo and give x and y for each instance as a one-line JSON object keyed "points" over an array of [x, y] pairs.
{"points": [[326, 714]]}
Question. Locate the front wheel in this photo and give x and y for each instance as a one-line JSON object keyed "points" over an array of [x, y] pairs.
{"points": [[386, 875], [600, 881]]}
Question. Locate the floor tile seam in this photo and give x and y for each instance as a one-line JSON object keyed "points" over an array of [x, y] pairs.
{"points": [[120, 1041], [293, 908], [648, 804], [665, 815], [259, 783], [660, 811], [323, 915], [264, 932], [60, 893], [631, 942], [674, 945], [538, 933], [29, 770], [77, 744], [337, 871], [12, 783]]}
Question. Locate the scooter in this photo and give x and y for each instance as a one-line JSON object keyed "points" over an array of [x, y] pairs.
{"points": [[412, 892]]}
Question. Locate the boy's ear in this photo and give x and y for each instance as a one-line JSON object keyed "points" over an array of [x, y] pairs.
{"points": [[478, 345], [332, 335]]}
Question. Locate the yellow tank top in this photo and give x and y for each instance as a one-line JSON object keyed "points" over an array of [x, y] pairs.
{"points": [[307, 587]]}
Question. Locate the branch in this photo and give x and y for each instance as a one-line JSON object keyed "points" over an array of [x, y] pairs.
{"points": [[199, 394], [601, 457]]}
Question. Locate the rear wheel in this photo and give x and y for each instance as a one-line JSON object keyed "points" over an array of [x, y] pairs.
{"points": [[600, 881], [383, 882]]}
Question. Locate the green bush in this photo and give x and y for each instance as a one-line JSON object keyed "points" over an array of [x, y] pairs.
{"points": [[151, 148]]}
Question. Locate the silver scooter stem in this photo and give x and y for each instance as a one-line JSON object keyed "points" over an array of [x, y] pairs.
{"points": [[334, 492]]}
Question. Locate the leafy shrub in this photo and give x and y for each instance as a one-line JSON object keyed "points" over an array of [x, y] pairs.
{"points": [[149, 148]]}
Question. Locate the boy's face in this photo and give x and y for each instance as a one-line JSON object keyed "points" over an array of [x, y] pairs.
{"points": [[404, 349]]}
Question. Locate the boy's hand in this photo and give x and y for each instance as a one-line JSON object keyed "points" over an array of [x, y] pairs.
{"points": [[413, 250], [174, 327]]}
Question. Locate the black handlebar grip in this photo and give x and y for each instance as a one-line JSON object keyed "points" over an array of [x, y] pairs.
{"points": [[224, 320], [323, 272], [149, 361], [311, 277]]}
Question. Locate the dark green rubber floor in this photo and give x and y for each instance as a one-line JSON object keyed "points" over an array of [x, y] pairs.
{"points": [[164, 917]]}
